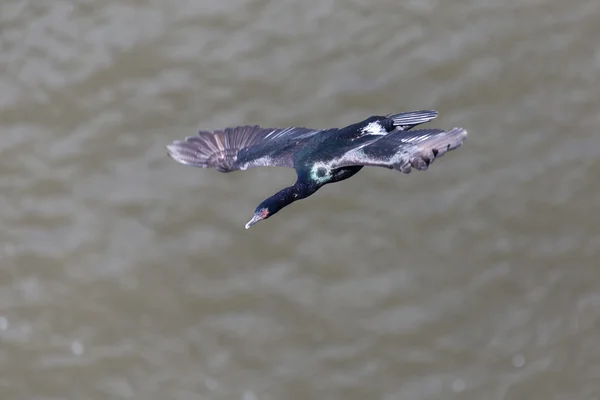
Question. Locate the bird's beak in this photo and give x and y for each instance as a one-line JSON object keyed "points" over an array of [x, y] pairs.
{"points": [[255, 219]]}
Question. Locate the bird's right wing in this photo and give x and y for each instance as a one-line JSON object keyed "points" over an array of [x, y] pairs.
{"points": [[404, 150], [241, 147]]}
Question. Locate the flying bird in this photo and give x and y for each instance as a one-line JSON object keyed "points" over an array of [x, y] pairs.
{"points": [[319, 156]]}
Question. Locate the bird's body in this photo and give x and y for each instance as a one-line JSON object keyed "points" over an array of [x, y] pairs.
{"points": [[320, 157]]}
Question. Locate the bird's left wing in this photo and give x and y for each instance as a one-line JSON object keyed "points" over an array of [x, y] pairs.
{"points": [[404, 150], [241, 147]]}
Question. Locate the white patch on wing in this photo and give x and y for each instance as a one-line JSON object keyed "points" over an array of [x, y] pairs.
{"points": [[259, 162], [416, 139], [374, 128], [270, 133], [398, 160], [282, 132], [359, 157]]}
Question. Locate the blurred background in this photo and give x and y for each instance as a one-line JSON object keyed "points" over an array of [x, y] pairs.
{"points": [[124, 275]]}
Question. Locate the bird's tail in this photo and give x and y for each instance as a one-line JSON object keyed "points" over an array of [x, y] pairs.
{"points": [[411, 119]]}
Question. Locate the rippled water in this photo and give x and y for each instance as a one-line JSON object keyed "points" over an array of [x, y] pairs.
{"points": [[124, 275]]}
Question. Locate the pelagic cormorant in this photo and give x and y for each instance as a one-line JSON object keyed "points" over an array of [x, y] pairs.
{"points": [[319, 156]]}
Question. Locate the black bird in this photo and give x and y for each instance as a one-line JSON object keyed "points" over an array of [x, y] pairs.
{"points": [[319, 157]]}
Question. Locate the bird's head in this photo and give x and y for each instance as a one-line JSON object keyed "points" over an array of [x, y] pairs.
{"points": [[262, 212], [279, 200]]}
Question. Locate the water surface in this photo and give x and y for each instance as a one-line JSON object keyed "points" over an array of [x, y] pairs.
{"points": [[124, 275]]}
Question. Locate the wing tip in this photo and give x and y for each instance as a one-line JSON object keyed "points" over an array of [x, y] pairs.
{"points": [[413, 118], [183, 153], [459, 134], [434, 149]]}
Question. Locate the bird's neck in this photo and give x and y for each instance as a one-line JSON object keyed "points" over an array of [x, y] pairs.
{"points": [[290, 194]]}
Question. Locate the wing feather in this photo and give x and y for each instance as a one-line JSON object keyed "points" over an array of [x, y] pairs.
{"points": [[404, 150], [241, 147], [407, 120]]}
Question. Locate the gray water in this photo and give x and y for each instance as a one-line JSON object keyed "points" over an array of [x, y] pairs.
{"points": [[124, 275]]}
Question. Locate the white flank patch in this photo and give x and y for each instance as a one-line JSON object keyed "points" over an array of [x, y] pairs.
{"points": [[374, 128]]}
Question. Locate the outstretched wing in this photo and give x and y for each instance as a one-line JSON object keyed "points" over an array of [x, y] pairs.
{"points": [[404, 150], [241, 147]]}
